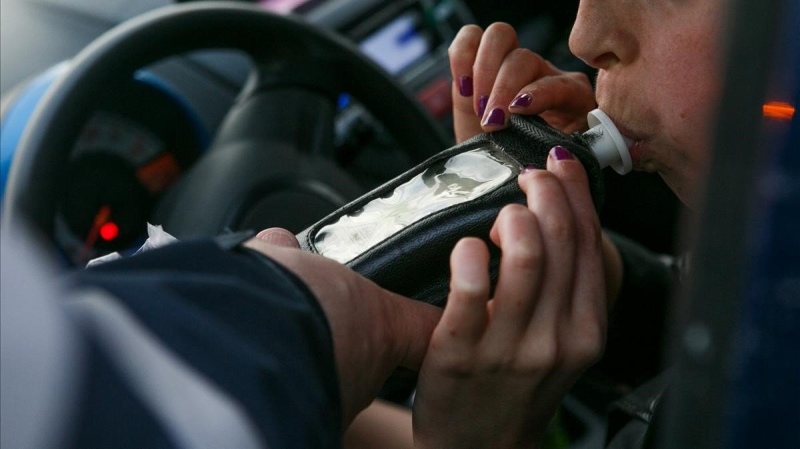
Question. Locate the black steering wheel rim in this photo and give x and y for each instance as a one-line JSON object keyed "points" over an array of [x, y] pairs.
{"points": [[38, 172]]}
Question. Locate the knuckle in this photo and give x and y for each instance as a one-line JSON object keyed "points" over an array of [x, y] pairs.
{"points": [[462, 365], [501, 29], [467, 291], [465, 44], [497, 362], [536, 178], [443, 352], [512, 212], [563, 81], [542, 356], [524, 257], [460, 55], [537, 59], [470, 30], [483, 69], [523, 55], [457, 367], [579, 78], [538, 185], [543, 176], [587, 346], [586, 352]]}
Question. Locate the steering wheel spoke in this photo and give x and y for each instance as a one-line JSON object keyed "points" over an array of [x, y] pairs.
{"points": [[293, 118], [277, 139]]}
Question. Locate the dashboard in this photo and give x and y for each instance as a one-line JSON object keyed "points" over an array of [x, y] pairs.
{"points": [[145, 136]]}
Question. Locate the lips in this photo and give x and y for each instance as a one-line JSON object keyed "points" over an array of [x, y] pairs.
{"points": [[638, 149], [638, 152], [625, 131]]}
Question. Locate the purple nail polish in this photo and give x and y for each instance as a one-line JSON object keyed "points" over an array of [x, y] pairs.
{"points": [[465, 86], [522, 101], [496, 117], [527, 169], [561, 153], [482, 102]]}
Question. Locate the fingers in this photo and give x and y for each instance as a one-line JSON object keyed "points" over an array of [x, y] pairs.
{"points": [[516, 231], [572, 176], [562, 98], [547, 200], [549, 300], [497, 45], [464, 317], [567, 91], [589, 305], [279, 237], [514, 357], [542, 246], [462, 54], [493, 77], [476, 58], [518, 68]]}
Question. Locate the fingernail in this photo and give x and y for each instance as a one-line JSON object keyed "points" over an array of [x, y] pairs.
{"points": [[527, 169], [522, 101], [561, 153], [496, 117], [465, 86], [275, 238], [482, 102]]}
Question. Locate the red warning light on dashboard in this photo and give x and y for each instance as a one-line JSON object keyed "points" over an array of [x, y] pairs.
{"points": [[778, 110], [109, 231], [436, 97]]}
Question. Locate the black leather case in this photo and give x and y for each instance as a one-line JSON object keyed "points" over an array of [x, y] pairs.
{"points": [[415, 261]]}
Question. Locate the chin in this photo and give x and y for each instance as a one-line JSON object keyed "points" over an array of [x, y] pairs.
{"points": [[688, 193]]}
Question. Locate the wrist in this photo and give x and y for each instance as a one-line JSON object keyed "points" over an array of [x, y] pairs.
{"points": [[411, 324]]}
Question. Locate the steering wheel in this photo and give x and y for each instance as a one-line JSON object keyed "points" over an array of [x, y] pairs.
{"points": [[274, 148]]}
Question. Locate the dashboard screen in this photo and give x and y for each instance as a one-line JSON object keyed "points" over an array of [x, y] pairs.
{"points": [[399, 43], [395, 45]]}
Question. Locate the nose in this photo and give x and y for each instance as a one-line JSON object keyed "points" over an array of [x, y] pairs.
{"points": [[603, 34]]}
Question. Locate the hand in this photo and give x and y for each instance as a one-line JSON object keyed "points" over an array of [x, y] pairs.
{"points": [[497, 368], [373, 330], [493, 76]]}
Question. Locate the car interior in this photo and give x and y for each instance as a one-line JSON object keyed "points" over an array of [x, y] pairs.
{"points": [[318, 102]]}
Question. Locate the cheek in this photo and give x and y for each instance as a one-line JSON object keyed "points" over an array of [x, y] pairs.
{"points": [[690, 93], [688, 130], [687, 117], [689, 82]]}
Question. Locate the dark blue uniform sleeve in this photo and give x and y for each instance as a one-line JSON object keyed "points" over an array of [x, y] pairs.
{"points": [[636, 324], [239, 319]]}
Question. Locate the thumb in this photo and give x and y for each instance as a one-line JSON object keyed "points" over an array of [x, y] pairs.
{"points": [[279, 237]]}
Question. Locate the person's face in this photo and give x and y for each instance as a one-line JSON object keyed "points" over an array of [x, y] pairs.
{"points": [[658, 79]]}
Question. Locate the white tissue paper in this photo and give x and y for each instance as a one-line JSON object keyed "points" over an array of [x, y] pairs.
{"points": [[156, 238]]}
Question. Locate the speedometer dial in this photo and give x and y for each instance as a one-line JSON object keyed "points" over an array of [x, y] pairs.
{"points": [[128, 153]]}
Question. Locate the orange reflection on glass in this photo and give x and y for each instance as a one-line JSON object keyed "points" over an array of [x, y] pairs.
{"points": [[778, 110]]}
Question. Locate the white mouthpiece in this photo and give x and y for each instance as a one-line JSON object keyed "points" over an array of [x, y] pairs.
{"points": [[608, 145]]}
